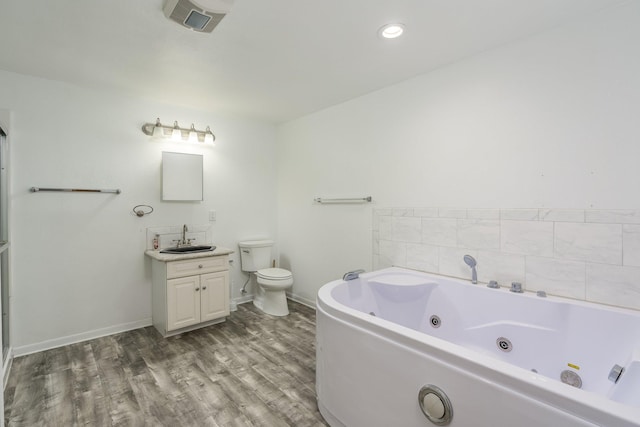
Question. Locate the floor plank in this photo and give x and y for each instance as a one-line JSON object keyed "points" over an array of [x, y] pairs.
{"points": [[252, 370]]}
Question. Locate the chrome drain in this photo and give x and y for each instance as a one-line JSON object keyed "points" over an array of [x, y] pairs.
{"points": [[435, 321], [504, 344], [571, 378]]}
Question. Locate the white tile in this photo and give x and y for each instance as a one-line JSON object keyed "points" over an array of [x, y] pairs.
{"points": [[422, 257], [615, 285], [383, 211], [406, 229], [392, 253], [384, 228], [556, 277], [375, 221], [627, 216], [562, 215], [631, 245], [379, 264], [504, 268], [519, 214], [452, 213], [483, 213], [403, 212], [426, 212], [526, 237], [589, 242], [376, 242], [451, 262], [479, 233], [439, 231]]}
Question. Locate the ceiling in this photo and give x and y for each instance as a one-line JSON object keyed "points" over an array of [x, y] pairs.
{"points": [[274, 60]]}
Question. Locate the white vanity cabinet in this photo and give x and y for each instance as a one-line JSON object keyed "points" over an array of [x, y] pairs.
{"points": [[189, 293]]}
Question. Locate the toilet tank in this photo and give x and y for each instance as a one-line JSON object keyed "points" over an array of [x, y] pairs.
{"points": [[255, 254]]}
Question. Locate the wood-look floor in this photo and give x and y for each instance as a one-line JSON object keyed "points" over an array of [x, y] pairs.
{"points": [[252, 370]]}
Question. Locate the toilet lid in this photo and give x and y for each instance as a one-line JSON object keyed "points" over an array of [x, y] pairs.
{"points": [[274, 273]]}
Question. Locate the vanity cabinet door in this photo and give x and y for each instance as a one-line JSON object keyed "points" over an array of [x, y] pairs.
{"points": [[214, 295], [183, 302]]}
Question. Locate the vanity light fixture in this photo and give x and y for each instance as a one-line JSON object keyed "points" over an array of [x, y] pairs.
{"points": [[193, 135], [209, 137], [391, 31], [176, 133], [158, 129]]}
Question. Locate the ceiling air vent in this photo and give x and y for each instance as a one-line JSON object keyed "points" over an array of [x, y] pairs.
{"points": [[202, 16]]}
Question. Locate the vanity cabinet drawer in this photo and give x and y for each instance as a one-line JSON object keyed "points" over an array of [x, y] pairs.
{"points": [[195, 266]]}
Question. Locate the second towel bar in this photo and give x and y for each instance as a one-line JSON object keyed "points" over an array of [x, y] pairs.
{"points": [[367, 199]]}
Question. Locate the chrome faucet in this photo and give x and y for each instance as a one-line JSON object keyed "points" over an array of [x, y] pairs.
{"points": [[471, 262], [184, 235], [352, 275]]}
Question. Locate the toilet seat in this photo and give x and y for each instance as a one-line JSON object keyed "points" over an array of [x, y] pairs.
{"points": [[274, 279], [274, 274]]}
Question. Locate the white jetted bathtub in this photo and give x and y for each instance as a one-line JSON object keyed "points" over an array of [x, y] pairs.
{"points": [[402, 348]]}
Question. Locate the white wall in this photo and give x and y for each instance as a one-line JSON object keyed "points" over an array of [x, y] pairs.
{"points": [[78, 263], [549, 121]]}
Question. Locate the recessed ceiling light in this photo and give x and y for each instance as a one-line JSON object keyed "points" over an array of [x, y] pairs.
{"points": [[391, 31]]}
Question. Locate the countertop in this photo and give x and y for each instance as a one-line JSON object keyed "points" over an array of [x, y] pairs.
{"points": [[219, 251]]}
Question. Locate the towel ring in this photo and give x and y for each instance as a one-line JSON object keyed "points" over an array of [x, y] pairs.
{"points": [[141, 212]]}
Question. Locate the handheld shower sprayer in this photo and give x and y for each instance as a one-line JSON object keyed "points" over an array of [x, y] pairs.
{"points": [[471, 262]]}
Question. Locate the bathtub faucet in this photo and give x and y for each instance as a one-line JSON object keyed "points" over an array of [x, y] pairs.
{"points": [[471, 262], [352, 275]]}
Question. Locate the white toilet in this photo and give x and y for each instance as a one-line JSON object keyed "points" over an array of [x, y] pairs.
{"points": [[255, 257]]}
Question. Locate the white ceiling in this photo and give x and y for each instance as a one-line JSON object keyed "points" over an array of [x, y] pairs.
{"points": [[269, 59]]}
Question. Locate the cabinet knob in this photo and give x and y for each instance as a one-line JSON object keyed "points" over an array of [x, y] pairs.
{"points": [[200, 266], [204, 288], [197, 289]]}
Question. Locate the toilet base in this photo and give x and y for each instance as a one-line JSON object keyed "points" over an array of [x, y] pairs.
{"points": [[272, 302]]}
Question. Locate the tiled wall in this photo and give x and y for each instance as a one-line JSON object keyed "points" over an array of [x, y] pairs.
{"points": [[590, 255]]}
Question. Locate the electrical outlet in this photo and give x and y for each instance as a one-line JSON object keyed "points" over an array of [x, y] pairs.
{"points": [[212, 215]]}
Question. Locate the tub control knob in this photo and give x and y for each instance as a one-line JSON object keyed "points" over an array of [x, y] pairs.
{"points": [[516, 287], [615, 373], [435, 405], [493, 284]]}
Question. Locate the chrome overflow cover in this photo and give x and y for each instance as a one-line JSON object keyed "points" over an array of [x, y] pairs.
{"points": [[435, 405]]}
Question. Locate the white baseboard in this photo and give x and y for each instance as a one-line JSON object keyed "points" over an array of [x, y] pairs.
{"points": [[84, 336], [97, 333], [240, 300], [301, 300], [6, 369]]}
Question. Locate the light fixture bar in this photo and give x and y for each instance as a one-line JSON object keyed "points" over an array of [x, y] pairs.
{"points": [[157, 129]]}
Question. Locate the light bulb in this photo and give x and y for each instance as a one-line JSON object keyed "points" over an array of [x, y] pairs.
{"points": [[176, 134], [158, 131], [193, 135], [391, 31], [209, 137]]}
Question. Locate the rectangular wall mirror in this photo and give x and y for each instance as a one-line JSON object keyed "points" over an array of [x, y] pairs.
{"points": [[181, 176]]}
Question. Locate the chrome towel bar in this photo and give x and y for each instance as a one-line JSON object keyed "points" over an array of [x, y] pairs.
{"points": [[367, 199], [74, 190]]}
